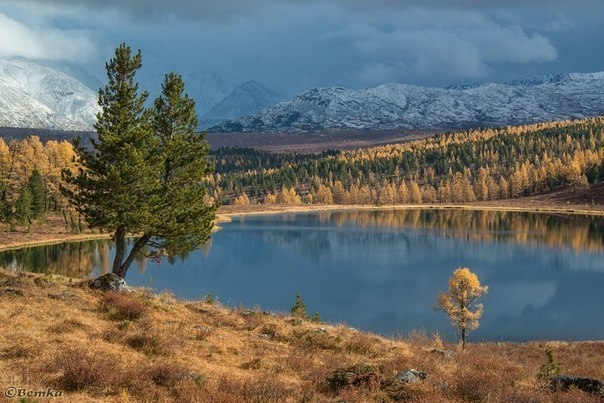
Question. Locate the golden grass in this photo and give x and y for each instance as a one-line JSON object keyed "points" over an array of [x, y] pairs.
{"points": [[143, 347]]}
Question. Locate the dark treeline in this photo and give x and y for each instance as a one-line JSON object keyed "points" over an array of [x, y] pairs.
{"points": [[486, 164]]}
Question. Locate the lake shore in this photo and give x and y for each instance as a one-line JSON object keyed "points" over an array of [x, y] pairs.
{"points": [[54, 230], [224, 212], [141, 346]]}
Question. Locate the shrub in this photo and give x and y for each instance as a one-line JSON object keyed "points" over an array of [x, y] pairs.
{"points": [[168, 374], [550, 369], [359, 376], [361, 343], [120, 306], [86, 370]]}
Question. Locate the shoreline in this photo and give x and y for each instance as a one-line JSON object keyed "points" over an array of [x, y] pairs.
{"points": [[225, 214]]}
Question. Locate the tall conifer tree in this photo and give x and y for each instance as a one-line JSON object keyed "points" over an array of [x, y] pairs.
{"points": [[183, 220], [132, 180], [38, 193]]}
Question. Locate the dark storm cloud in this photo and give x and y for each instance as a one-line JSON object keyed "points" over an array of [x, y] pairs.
{"points": [[290, 45], [211, 9]]}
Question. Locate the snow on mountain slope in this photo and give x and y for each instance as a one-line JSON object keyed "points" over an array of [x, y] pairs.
{"points": [[399, 106], [247, 98], [38, 96]]}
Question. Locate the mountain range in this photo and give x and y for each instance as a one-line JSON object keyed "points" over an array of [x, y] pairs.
{"points": [[63, 96], [400, 106], [60, 96]]}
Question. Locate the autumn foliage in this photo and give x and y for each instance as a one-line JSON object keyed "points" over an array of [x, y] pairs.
{"points": [[30, 179], [461, 302], [461, 167]]}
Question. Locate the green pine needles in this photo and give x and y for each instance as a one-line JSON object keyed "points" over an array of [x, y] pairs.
{"points": [[298, 310], [144, 174]]}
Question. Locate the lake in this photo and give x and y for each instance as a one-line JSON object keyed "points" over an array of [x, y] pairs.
{"points": [[382, 270]]}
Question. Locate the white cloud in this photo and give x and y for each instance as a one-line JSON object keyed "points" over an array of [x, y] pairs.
{"points": [[21, 40]]}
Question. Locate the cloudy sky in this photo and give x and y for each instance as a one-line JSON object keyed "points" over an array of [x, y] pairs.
{"points": [[290, 45]]}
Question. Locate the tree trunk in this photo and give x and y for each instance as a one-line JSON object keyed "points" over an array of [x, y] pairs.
{"points": [[463, 338], [140, 243], [120, 250]]}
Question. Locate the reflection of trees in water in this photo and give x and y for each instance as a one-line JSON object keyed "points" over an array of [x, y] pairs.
{"points": [[579, 233], [317, 243], [576, 231], [74, 259]]}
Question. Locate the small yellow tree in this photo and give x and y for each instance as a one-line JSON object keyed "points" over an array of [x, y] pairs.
{"points": [[460, 303]]}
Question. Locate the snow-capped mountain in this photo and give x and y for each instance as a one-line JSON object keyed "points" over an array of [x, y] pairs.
{"points": [[34, 95], [207, 88], [246, 99], [400, 106], [216, 100]]}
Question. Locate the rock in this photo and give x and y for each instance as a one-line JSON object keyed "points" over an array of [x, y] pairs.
{"points": [[589, 385], [110, 282], [320, 330], [444, 353], [411, 376]]}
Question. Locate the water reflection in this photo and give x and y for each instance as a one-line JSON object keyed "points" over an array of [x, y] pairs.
{"points": [[580, 232], [382, 270], [83, 260]]}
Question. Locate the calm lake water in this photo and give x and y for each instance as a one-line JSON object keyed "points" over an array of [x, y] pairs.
{"points": [[382, 270]]}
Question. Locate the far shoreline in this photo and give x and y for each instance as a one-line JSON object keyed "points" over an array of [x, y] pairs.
{"points": [[226, 212], [22, 239]]}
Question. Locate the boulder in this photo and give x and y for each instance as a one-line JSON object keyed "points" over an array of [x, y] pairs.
{"points": [[411, 376], [110, 282], [589, 385]]}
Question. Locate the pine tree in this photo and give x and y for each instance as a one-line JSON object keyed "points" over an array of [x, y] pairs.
{"points": [[143, 176], [23, 206], [36, 187], [299, 307], [183, 221]]}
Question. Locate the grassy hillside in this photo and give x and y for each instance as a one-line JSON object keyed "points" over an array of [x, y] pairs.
{"points": [[91, 346]]}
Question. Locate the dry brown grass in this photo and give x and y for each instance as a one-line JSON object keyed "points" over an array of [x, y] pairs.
{"points": [[120, 306], [144, 347]]}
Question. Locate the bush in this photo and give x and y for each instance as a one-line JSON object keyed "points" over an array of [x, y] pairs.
{"points": [[85, 370], [120, 306], [168, 374], [358, 376]]}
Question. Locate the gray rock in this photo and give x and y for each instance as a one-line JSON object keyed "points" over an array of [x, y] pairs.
{"points": [[411, 376], [589, 385], [110, 282], [444, 353]]}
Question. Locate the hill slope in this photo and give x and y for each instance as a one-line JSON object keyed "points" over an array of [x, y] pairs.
{"points": [[95, 347]]}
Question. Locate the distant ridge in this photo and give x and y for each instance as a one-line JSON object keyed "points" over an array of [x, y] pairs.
{"points": [[400, 106]]}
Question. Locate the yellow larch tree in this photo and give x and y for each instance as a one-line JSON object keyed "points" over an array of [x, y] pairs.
{"points": [[461, 302]]}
